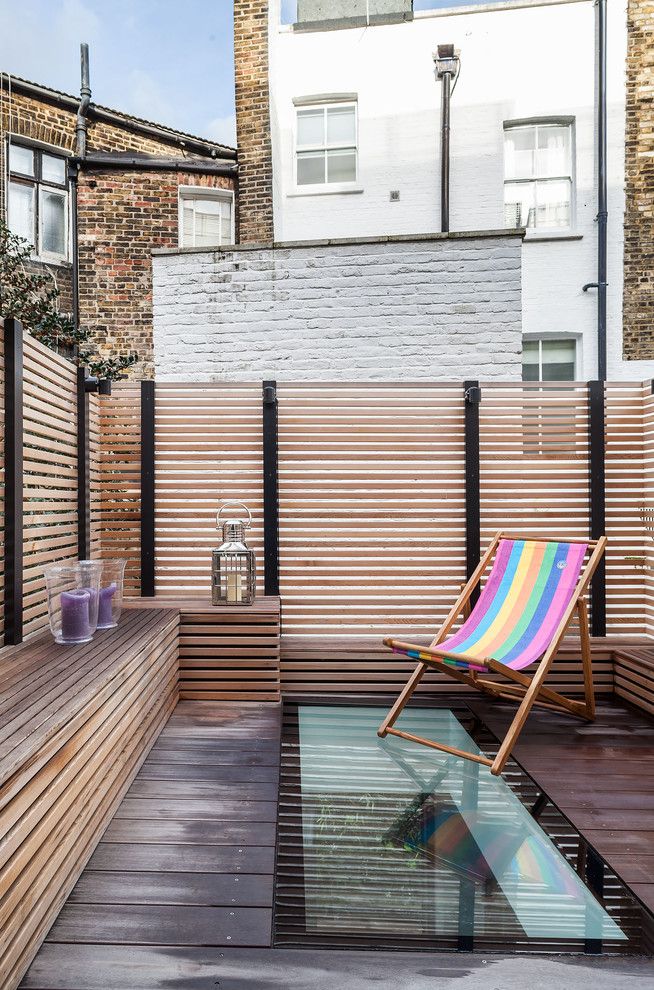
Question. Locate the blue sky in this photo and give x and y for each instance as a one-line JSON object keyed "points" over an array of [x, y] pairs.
{"points": [[166, 60]]}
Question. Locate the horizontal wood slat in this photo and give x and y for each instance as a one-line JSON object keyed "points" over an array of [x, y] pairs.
{"points": [[50, 471], [226, 653], [75, 726]]}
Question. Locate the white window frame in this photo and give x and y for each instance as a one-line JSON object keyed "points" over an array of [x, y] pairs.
{"points": [[38, 184], [555, 338], [535, 123], [321, 187], [204, 192]]}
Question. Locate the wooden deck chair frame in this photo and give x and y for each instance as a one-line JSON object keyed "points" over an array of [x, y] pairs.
{"points": [[529, 691]]}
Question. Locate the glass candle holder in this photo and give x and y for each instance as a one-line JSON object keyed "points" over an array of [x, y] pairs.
{"points": [[110, 600], [73, 588]]}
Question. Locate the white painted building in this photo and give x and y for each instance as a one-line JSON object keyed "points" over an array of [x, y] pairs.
{"points": [[355, 121]]}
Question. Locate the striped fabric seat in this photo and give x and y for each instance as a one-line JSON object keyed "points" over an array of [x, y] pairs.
{"points": [[519, 609], [534, 590]]}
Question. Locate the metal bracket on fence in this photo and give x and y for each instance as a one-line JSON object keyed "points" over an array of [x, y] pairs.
{"points": [[270, 394], [100, 385], [472, 395]]}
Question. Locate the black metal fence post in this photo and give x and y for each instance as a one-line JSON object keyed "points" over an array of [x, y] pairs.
{"points": [[147, 489], [270, 490], [472, 398], [597, 497], [83, 469], [13, 451]]}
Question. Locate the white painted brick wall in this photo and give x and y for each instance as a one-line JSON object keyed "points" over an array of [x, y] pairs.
{"points": [[438, 308]]}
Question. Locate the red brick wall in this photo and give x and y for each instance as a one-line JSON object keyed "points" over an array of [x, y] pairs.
{"points": [[255, 208], [121, 216], [638, 306]]}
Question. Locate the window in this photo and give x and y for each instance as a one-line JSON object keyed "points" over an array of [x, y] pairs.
{"points": [[549, 360], [538, 172], [206, 217], [326, 144], [38, 200]]}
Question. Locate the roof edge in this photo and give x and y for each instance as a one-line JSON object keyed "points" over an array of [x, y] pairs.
{"points": [[191, 142]]}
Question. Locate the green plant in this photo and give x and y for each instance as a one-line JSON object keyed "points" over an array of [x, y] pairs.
{"points": [[32, 296]]}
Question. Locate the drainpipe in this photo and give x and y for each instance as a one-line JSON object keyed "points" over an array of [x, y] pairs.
{"points": [[73, 171], [602, 200], [602, 203], [85, 100], [447, 65]]}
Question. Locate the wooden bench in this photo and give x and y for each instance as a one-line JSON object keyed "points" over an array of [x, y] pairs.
{"points": [[226, 652], [75, 725]]}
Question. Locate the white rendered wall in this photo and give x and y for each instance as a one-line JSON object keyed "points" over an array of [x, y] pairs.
{"points": [[517, 62], [443, 309]]}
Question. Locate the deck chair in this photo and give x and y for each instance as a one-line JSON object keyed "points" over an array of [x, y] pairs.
{"points": [[533, 591]]}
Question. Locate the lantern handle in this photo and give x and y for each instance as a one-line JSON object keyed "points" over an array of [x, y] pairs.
{"points": [[242, 506]]}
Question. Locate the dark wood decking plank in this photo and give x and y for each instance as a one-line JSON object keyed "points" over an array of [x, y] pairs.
{"points": [[218, 833], [157, 924], [195, 771], [182, 858], [198, 809], [243, 890], [180, 788], [231, 757]]}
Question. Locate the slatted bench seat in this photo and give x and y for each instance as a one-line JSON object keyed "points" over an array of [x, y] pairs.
{"points": [[226, 652], [75, 725]]}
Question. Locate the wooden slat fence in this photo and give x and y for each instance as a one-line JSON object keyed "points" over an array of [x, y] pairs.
{"points": [[117, 488], [50, 471], [208, 450]]}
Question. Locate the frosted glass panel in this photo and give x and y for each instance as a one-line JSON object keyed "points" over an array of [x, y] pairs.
{"points": [[53, 169], [21, 210], [341, 166], [53, 222], [310, 127], [553, 155], [519, 152], [21, 160], [519, 204], [310, 168], [341, 125], [553, 204]]}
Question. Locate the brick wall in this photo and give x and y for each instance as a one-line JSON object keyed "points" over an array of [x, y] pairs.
{"points": [[441, 308], [121, 216], [126, 215], [255, 210], [638, 306]]}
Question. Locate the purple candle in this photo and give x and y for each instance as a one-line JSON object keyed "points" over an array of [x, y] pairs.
{"points": [[105, 613], [75, 626]]}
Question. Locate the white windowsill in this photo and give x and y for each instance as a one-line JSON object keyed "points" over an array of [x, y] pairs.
{"points": [[551, 235], [335, 189]]}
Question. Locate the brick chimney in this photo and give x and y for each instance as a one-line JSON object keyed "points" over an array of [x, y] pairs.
{"points": [[255, 213], [638, 305]]}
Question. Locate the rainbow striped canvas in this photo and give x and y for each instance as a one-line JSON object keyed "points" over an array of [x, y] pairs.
{"points": [[521, 605]]}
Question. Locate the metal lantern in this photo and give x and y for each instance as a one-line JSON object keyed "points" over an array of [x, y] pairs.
{"points": [[233, 564]]}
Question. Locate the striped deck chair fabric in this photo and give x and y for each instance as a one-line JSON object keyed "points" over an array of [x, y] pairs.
{"points": [[521, 605], [533, 591]]}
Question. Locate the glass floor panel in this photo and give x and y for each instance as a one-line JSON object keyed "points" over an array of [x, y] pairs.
{"points": [[386, 843]]}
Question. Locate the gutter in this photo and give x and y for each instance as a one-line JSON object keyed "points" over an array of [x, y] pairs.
{"points": [[126, 164], [189, 142]]}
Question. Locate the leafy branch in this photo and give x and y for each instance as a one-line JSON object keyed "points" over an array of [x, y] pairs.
{"points": [[32, 297]]}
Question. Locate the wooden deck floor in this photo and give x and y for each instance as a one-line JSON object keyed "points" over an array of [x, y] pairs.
{"points": [[179, 893], [188, 859], [601, 776]]}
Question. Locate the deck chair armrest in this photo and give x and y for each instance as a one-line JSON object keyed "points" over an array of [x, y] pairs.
{"points": [[432, 653]]}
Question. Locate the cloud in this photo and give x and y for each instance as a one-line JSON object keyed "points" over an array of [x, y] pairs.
{"points": [[146, 98], [222, 129], [41, 42]]}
